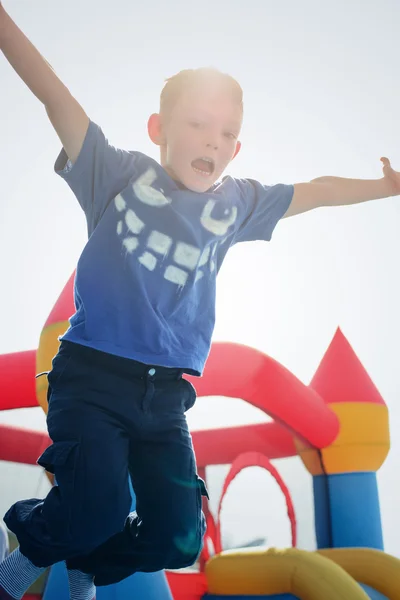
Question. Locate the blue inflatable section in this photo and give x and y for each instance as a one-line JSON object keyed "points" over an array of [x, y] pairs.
{"points": [[347, 511], [373, 594], [146, 586]]}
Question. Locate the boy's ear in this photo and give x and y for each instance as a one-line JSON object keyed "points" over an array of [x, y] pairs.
{"points": [[154, 129], [237, 150]]}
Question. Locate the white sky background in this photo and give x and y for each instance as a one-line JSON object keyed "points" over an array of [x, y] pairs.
{"points": [[321, 98]]}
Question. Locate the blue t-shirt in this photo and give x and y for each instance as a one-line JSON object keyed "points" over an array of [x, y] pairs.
{"points": [[145, 282]]}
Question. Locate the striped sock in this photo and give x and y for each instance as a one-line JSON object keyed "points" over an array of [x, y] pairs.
{"points": [[81, 586], [4, 550], [17, 574]]}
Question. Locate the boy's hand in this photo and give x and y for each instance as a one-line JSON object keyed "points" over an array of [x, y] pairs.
{"points": [[339, 191], [392, 177]]}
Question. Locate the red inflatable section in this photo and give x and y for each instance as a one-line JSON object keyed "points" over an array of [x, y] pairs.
{"points": [[221, 447], [17, 370], [17, 380], [341, 376], [22, 445], [238, 371], [187, 586]]}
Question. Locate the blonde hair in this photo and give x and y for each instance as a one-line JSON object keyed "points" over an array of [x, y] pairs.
{"points": [[175, 85]]}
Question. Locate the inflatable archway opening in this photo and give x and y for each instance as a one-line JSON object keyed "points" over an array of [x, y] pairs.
{"points": [[242, 462]]}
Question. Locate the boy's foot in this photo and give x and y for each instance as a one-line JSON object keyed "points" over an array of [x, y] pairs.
{"points": [[17, 574], [3, 554], [81, 585]]}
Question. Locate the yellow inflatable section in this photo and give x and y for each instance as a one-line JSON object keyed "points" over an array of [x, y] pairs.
{"points": [[322, 575], [371, 567]]}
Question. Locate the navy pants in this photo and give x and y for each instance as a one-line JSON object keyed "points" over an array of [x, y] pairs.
{"points": [[112, 418]]}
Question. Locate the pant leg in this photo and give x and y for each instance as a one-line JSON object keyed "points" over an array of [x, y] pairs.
{"points": [[167, 529], [89, 458]]}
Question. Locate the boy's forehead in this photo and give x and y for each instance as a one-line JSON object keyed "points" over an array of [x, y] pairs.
{"points": [[212, 100]]}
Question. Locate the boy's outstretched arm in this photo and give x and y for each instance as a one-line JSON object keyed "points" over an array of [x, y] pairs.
{"points": [[65, 113], [338, 191]]}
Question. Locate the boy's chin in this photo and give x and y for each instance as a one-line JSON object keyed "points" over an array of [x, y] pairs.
{"points": [[195, 182], [200, 189]]}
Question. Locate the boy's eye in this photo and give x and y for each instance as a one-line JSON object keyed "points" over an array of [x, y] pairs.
{"points": [[195, 124], [230, 135]]}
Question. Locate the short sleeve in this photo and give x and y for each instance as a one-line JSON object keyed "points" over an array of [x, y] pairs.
{"points": [[100, 172], [264, 207]]}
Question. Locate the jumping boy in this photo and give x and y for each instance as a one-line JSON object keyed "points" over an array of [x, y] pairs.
{"points": [[145, 296]]}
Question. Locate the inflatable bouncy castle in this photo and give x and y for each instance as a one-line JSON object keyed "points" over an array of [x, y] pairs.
{"points": [[337, 426]]}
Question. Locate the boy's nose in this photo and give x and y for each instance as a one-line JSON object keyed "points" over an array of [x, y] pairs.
{"points": [[213, 145]]}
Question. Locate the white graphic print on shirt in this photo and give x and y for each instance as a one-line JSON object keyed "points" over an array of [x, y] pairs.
{"points": [[185, 258]]}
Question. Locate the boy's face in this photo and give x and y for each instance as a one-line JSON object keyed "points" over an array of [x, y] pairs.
{"points": [[199, 138]]}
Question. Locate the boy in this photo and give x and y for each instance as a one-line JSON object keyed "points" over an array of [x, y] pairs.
{"points": [[144, 295]]}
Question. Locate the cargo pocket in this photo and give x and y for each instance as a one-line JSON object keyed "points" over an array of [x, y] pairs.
{"points": [[202, 488], [61, 460], [190, 395], [192, 544]]}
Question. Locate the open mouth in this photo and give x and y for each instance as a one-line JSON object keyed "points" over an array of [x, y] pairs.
{"points": [[204, 166]]}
